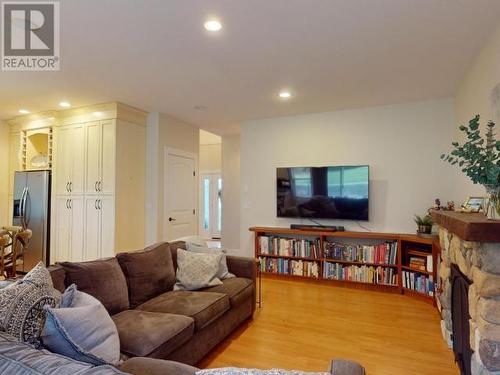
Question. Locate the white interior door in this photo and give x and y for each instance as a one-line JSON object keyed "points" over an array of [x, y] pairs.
{"points": [[180, 195]]}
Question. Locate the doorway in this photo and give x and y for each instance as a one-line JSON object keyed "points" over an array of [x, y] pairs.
{"points": [[180, 195]]}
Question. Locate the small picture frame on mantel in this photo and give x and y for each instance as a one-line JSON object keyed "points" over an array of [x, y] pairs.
{"points": [[473, 204]]}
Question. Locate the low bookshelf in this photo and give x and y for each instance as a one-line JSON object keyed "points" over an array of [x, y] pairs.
{"points": [[391, 262]]}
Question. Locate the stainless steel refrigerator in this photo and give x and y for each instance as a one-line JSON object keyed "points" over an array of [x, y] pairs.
{"points": [[32, 211]]}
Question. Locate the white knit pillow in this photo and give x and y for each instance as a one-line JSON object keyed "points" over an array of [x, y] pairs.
{"points": [[196, 270]]}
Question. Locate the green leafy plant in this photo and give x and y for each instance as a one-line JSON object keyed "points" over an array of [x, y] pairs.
{"points": [[423, 220], [479, 157]]}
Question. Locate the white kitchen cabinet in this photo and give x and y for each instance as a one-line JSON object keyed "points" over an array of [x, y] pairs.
{"points": [[107, 225], [69, 229], [99, 227], [100, 151], [69, 165]]}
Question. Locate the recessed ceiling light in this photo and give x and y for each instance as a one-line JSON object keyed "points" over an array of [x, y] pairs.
{"points": [[64, 104], [24, 112], [213, 25], [285, 95]]}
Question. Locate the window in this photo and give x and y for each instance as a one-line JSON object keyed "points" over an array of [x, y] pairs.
{"points": [[301, 182], [210, 205], [348, 182]]}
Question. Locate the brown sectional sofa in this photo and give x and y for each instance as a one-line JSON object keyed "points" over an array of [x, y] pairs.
{"points": [[153, 320]]}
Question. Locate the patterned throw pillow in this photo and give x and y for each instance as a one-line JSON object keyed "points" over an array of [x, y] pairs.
{"points": [[223, 272], [22, 313], [196, 270]]}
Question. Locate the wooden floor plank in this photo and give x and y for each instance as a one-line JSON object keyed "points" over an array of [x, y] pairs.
{"points": [[303, 325]]}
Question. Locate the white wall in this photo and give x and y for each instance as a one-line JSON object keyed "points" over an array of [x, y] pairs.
{"points": [[152, 177], [4, 173], [163, 131], [401, 144], [474, 96], [210, 158], [231, 198]]}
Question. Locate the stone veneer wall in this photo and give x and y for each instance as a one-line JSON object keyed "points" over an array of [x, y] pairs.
{"points": [[480, 262]]}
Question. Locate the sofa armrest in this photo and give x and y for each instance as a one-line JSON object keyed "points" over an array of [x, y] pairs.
{"points": [[151, 366], [345, 367], [242, 267]]}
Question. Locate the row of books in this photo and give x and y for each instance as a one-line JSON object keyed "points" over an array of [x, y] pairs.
{"points": [[291, 247], [289, 267], [365, 274], [421, 263], [418, 282], [385, 253]]}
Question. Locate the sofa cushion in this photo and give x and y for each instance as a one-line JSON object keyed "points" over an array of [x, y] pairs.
{"points": [[238, 289], [21, 358], [149, 272], [151, 366], [143, 333], [203, 307], [174, 246], [58, 277], [102, 279]]}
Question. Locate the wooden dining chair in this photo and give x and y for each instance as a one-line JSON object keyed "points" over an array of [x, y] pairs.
{"points": [[18, 242], [4, 243]]}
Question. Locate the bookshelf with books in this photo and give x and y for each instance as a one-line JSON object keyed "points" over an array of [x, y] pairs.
{"points": [[349, 260], [418, 271], [292, 256], [397, 263]]}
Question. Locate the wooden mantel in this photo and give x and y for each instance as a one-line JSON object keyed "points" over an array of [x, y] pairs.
{"points": [[468, 226]]}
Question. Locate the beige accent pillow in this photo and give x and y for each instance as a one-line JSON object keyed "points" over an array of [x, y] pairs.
{"points": [[196, 270]]}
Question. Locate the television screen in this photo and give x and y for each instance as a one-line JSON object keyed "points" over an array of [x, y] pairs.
{"points": [[338, 192]]}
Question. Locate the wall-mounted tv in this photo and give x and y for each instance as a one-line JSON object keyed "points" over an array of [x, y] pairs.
{"points": [[336, 192]]}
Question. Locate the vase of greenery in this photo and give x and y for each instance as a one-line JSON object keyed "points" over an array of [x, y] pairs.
{"points": [[479, 159], [424, 224]]}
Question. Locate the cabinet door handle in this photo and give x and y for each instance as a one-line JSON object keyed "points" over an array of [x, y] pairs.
{"points": [[100, 185], [70, 205], [67, 187], [95, 204], [70, 187], [95, 186], [100, 204], [67, 204]]}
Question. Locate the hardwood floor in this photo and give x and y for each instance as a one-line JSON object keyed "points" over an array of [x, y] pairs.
{"points": [[302, 325]]}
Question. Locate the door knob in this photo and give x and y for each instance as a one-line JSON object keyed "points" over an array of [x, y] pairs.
{"points": [[171, 219]]}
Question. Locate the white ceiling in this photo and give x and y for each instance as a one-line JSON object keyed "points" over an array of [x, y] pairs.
{"points": [[333, 54]]}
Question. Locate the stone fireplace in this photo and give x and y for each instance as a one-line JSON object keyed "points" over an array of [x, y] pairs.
{"points": [[469, 290]]}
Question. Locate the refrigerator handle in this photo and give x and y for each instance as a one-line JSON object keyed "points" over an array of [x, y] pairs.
{"points": [[23, 207]]}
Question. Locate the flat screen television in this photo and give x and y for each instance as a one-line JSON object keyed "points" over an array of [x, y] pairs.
{"points": [[336, 192]]}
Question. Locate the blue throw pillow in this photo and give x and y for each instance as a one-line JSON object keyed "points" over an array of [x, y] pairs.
{"points": [[82, 329]]}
